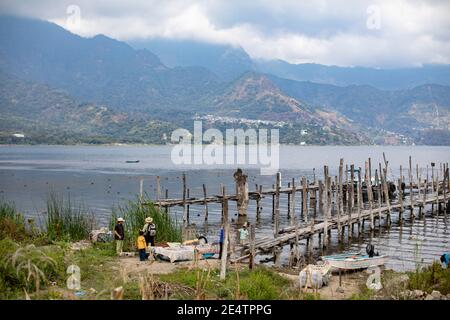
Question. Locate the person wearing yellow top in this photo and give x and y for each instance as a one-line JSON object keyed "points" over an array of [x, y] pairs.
{"points": [[141, 245]]}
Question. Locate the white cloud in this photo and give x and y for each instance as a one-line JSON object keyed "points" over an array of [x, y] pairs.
{"points": [[330, 32]]}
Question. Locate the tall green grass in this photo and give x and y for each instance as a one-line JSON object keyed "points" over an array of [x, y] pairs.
{"points": [[65, 220], [134, 214]]}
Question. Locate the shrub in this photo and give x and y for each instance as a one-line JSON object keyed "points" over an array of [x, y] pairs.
{"points": [[12, 223], [28, 267], [430, 278]]}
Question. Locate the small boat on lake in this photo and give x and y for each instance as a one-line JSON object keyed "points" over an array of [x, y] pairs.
{"points": [[132, 161], [354, 261]]}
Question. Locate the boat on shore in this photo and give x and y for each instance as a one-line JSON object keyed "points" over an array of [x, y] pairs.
{"points": [[354, 261]]}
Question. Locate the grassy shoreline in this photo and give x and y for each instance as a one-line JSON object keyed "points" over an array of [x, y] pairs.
{"points": [[33, 265]]}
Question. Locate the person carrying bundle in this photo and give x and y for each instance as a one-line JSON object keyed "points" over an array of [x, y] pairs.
{"points": [[149, 231]]}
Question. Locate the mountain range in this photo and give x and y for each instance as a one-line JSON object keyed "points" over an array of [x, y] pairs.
{"points": [[58, 87]]}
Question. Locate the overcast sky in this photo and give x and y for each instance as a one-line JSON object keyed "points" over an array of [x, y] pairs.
{"points": [[390, 33]]}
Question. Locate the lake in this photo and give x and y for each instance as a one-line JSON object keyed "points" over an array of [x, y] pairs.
{"points": [[99, 178]]}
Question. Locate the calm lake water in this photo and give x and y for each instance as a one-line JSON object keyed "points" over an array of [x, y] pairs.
{"points": [[99, 178]]}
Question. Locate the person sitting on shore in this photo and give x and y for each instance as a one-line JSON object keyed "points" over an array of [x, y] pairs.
{"points": [[119, 235], [243, 234], [445, 260], [149, 231], [141, 246]]}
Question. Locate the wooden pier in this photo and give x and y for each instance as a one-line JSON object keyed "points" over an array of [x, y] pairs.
{"points": [[354, 199]]}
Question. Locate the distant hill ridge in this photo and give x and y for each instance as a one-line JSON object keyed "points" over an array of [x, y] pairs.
{"points": [[136, 86]]}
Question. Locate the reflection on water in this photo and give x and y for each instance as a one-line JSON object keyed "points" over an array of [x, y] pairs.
{"points": [[100, 178]]}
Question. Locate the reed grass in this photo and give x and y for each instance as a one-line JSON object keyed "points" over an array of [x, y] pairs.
{"points": [[134, 214], [65, 220]]}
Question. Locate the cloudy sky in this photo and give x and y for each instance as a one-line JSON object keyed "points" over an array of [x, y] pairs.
{"points": [[388, 33]]}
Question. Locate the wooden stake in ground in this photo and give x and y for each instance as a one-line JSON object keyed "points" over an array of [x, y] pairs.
{"points": [[223, 261], [251, 262]]}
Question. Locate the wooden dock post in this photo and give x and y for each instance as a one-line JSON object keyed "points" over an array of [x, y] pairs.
{"points": [[241, 192], [273, 202], [379, 195], [205, 203], [188, 207], [304, 200], [226, 228], [141, 190], [352, 186], [294, 222], [400, 200], [158, 192], [167, 197], [327, 207], [370, 196], [292, 205], [432, 186], [411, 187], [185, 213], [346, 191], [386, 195], [445, 189], [258, 200], [276, 251], [289, 202], [360, 200], [437, 192], [259, 204], [320, 196], [340, 199], [277, 205]]}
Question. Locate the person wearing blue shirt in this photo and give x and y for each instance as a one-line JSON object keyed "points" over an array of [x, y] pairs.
{"points": [[221, 241], [445, 260]]}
